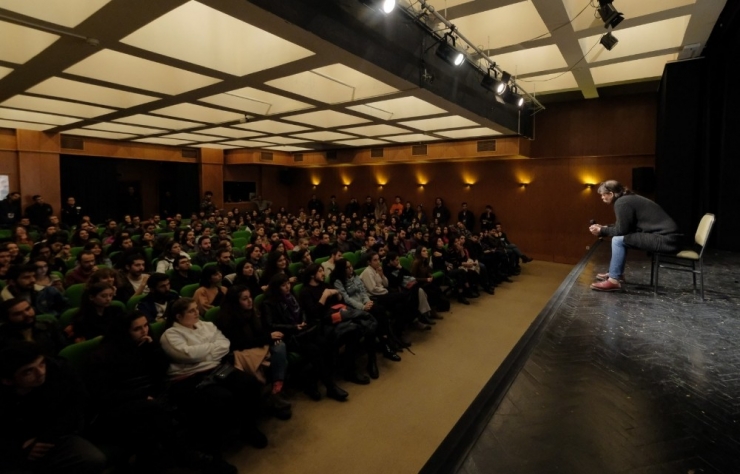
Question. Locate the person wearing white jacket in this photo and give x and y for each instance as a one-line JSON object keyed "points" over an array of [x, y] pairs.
{"points": [[196, 349]]}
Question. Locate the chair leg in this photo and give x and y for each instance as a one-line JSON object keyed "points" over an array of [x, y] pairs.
{"points": [[657, 272], [652, 268], [701, 278], [693, 274]]}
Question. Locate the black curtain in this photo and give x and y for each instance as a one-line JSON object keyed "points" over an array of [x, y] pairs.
{"points": [[699, 135], [93, 184]]}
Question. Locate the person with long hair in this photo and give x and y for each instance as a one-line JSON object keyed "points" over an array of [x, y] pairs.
{"points": [[210, 293], [172, 250], [204, 385], [246, 275], [95, 313], [421, 270], [126, 378], [253, 343], [277, 263], [97, 249], [302, 335], [80, 237], [355, 295]]}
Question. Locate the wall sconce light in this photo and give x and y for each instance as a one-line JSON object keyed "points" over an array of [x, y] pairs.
{"points": [[524, 185], [590, 185], [314, 186], [346, 186]]}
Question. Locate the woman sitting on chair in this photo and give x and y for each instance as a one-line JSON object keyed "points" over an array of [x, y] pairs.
{"points": [[210, 293], [253, 344], [95, 314], [214, 396]]}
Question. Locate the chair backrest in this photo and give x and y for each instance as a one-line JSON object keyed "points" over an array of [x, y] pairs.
{"points": [[133, 301], [258, 301], [79, 354], [189, 290], [66, 318], [297, 290], [212, 314], [74, 294], [294, 268], [352, 257], [702, 232]]}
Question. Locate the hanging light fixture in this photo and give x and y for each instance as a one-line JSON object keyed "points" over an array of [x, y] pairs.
{"points": [[448, 52]]}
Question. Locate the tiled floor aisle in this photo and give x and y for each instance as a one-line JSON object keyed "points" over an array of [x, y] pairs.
{"points": [[627, 382]]}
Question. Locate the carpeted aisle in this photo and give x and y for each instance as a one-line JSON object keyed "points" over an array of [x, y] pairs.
{"points": [[394, 424]]}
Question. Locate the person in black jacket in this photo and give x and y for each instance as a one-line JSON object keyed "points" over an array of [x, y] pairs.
{"points": [[42, 405], [440, 213], [10, 210], [126, 376], [466, 217], [71, 212], [39, 211]]}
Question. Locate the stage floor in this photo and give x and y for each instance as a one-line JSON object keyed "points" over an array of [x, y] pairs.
{"points": [[626, 382]]}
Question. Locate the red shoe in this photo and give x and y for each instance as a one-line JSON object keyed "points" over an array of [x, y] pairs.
{"points": [[606, 285], [605, 276]]}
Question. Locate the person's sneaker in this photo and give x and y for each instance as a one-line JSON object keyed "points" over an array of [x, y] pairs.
{"points": [[421, 326], [605, 276], [606, 285], [526, 259]]}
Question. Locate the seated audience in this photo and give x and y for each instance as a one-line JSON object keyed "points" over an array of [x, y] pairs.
{"points": [[183, 274], [18, 323], [210, 293], [253, 344], [42, 405], [95, 313], [132, 277], [215, 397], [84, 269], [155, 303], [21, 283]]}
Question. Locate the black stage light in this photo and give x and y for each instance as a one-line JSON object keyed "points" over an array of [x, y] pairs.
{"points": [[492, 83], [512, 97], [609, 15], [608, 41], [386, 6], [449, 53]]}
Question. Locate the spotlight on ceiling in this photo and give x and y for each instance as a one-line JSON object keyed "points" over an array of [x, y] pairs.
{"points": [[386, 6], [492, 82], [609, 15], [608, 41], [448, 52], [513, 97]]}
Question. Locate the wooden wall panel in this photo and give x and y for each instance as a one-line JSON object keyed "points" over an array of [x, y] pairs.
{"points": [[212, 179], [617, 126], [39, 174], [548, 219], [9, 166]]}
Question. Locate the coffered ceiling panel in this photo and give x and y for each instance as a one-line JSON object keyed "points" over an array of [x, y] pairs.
{"points": [[440, 123], [326, 119], [69, 13], [159, 122], [272, 126], [26, 116], [256, 101], [333, 84], [126, 70], [86, 132], [504, 26], [55, 106], [397, 109], [18, 44], [83, 92], [213, 44], [24, 125], [236, 74]]}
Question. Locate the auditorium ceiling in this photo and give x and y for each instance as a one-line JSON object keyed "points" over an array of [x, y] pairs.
{"points": [[228, 74]]}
